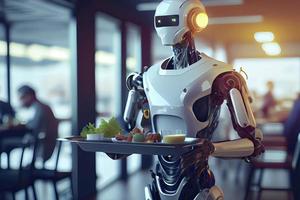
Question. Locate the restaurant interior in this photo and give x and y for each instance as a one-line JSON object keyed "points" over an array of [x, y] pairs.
{"points": [[70, 59]]}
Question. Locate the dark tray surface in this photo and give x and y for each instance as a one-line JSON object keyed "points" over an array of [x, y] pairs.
{"points": [[123, 147]]}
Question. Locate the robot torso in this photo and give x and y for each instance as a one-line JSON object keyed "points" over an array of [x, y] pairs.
{"points": [[180, 100]]}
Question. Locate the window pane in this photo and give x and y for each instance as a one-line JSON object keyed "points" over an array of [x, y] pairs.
{"points": [[107, 90], [283, 72], [3, 79], [133, 64], [133, 61], [40, 59]]}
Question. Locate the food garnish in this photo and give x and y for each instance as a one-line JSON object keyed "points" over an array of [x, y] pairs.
{"points": [[89, 129], [109, 129], [138, 137], [174, 139]]}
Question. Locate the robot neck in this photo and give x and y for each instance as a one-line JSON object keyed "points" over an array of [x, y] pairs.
{"points": [[185, 53]]}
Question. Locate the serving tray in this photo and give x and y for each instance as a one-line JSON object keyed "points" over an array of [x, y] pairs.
{"points": [[123, 147]]}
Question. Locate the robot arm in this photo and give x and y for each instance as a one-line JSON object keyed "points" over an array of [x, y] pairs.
{"points": [[136, 111], [133, 114], [231, 86]]}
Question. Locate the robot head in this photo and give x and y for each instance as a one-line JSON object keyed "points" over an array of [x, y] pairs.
{"points": [[174, 18]]}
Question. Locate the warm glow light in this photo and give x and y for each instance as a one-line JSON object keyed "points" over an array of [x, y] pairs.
{"points": [[271, 48], [202, 20], [264, 37]]}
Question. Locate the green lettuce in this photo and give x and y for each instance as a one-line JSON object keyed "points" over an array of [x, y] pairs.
{"points": [[109, 128], [89, 129]]}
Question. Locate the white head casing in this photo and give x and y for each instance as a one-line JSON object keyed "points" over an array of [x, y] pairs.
{"points": [[174, 18]]}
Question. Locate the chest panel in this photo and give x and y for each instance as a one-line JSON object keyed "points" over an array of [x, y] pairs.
{"points": [[172, 94]]}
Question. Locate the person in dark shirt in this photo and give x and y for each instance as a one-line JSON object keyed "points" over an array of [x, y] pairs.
{"points": [[6, 111], [292, 126], [43, 120], [269, 101]]}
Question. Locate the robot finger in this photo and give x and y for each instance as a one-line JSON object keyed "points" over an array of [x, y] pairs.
{"points": [[215, 193]]}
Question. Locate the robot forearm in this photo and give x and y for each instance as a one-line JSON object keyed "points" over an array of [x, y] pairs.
{"points": [[134, 83], [131, 109], [243, 119], [232, 87], [136, 105], [234, 149]]}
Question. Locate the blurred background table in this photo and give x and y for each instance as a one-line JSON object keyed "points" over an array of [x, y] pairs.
{"points": [[13, 131]]}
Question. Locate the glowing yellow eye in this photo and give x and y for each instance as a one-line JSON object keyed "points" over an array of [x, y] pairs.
{"points": [[202, 20], [197, 20]]}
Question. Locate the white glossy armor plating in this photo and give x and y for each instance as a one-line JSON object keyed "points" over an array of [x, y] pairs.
{"points": [[172, 93]]}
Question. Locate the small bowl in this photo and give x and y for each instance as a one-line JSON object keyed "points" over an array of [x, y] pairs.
{"points": [[94, 137]]}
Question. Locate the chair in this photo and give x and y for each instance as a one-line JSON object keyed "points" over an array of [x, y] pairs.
{"points": [[290, 163], [53, 175], [15, 141], [14, 180]]}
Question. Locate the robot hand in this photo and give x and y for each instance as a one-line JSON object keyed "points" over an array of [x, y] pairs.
{"points": [[258, 148], [199, 155]]}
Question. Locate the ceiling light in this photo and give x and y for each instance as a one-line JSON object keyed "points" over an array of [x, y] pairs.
{"points": [[271, 48], [264, 37]]}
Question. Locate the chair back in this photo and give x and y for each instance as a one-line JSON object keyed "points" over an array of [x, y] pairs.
{"points": [[295, 175], [296, 156], [59, 143], [27, 143]]}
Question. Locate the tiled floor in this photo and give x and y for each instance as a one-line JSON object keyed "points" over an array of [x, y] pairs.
{"points": [[232, 183]]}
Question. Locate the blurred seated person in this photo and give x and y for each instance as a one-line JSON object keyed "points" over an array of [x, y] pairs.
{"points": [[43, 121], [291, 129], [7, 113], [292, 126], [269, 101]]}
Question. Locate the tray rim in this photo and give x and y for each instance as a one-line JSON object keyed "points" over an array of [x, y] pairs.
{"points": [[80, 139], [141, 148]]}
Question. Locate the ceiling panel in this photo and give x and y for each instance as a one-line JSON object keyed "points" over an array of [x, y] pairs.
{"points": [[280, 17]]}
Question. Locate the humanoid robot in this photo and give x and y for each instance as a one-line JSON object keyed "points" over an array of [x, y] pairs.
{"points": [[184, 93]]}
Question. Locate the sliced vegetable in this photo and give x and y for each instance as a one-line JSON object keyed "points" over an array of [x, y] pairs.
{"points": [[138, 138]]}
